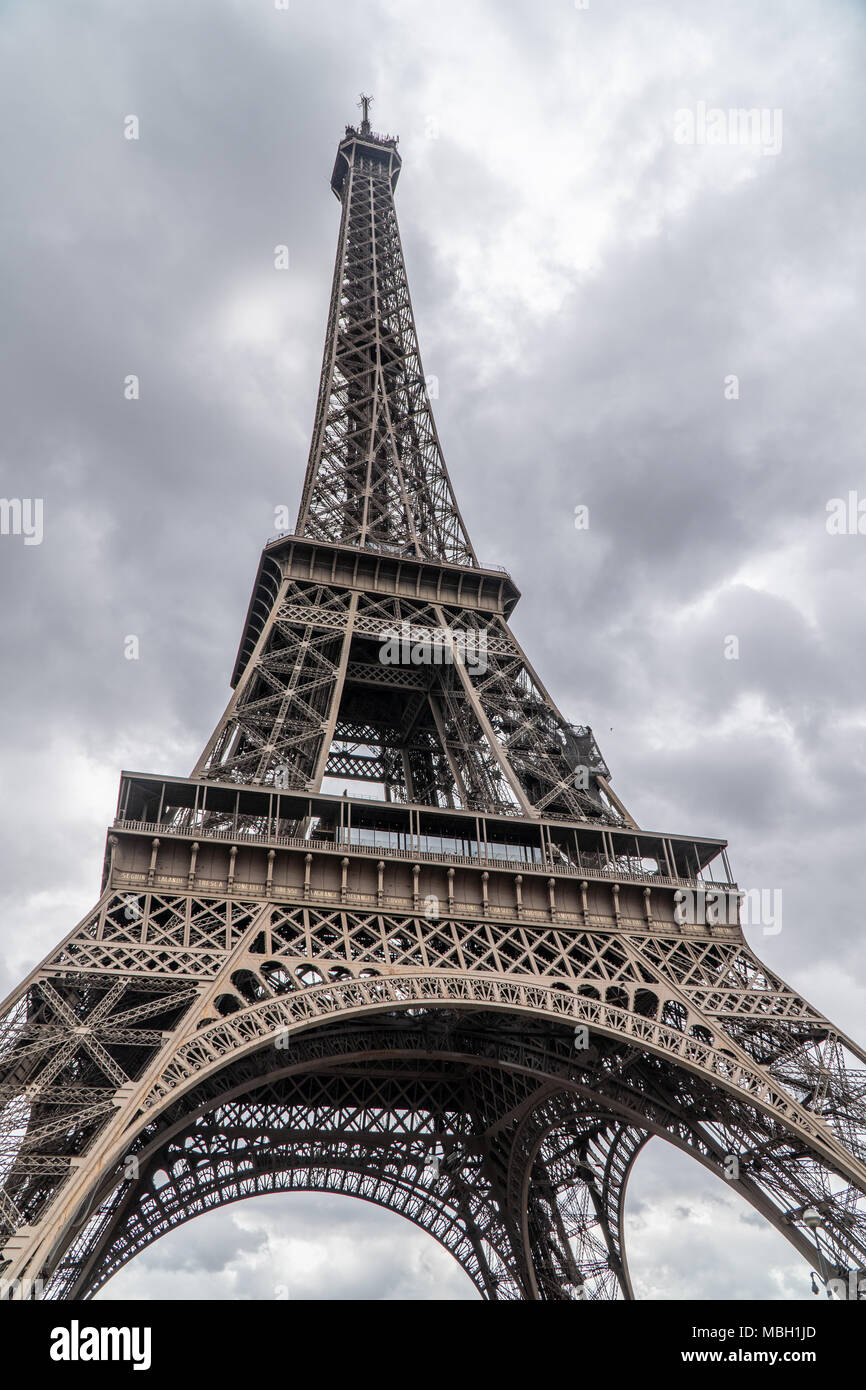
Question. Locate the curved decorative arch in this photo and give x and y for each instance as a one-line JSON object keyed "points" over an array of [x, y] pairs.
{"points": [[203, 1047], [730, 1067], [396, 1197], [548, 1086]]}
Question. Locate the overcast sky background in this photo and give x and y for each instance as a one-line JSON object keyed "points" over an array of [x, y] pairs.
{"points": [[583, 284]]}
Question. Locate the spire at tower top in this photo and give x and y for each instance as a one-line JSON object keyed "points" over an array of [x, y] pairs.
{"points": [[376, 477]]}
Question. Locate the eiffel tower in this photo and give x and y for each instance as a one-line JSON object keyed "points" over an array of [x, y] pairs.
{"points": [[469, 991]]}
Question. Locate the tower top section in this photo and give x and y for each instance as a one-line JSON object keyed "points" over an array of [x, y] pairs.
{"points": [[362, 147], [376, 477]]}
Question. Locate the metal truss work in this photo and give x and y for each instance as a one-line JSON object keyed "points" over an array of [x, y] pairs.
{"points": [[426, 1133], [316, 699], [376, 476], [566, 1126], [470, 995]]}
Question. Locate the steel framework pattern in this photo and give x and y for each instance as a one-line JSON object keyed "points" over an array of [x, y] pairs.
{"points": [[470, 998]]}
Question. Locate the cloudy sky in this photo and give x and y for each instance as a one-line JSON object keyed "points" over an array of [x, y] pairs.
{"points": [[585, 283]]}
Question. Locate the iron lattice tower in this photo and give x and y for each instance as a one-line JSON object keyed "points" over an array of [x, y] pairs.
{"points": [[285, 989]]}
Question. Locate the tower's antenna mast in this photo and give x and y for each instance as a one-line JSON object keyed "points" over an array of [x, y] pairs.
{"points": [[364, 104]]}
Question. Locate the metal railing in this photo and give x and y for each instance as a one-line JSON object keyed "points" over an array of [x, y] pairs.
{"points": [[612, 875]]}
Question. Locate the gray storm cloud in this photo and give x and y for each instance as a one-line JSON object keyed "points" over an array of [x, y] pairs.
{"points": [[584, 284]]}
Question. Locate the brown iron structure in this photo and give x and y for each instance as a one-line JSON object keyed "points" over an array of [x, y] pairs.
{"points": [[470, 997]]}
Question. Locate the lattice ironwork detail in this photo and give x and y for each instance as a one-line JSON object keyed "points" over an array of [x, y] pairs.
{"points": [[376, 475], [473, 1004]]}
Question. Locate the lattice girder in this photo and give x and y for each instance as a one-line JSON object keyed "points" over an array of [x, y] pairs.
{"points": [[482, 733], [274, 969], [435, 958], [376, 476]]}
